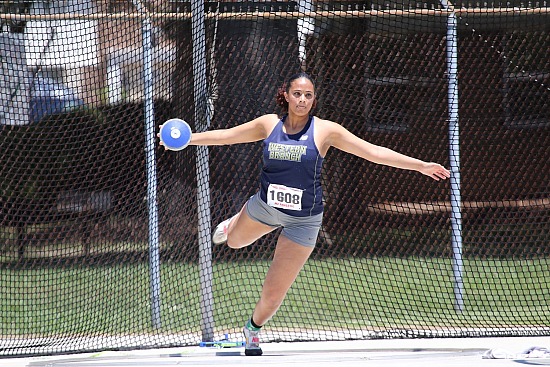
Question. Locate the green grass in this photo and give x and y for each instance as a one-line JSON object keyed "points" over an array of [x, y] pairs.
{"points": [[328, 294]]}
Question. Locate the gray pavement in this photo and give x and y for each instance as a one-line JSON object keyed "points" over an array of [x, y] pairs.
{"points": [[463, 352]]}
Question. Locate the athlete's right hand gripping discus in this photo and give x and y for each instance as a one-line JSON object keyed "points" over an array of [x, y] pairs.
{"points": [[175, 134]]}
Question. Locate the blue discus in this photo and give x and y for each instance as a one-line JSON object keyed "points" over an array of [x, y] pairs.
{"points": [[175, 134]]}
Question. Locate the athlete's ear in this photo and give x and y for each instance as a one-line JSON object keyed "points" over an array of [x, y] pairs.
{"points": [[286, 97]]}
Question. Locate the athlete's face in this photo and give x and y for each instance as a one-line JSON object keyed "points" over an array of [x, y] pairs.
{"points": [[300, 96]]}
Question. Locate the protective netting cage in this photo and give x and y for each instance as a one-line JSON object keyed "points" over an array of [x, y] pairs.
{"points": [[106, 237]]}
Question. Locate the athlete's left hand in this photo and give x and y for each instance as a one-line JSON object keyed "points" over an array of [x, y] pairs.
{"points": [[435, 171]]}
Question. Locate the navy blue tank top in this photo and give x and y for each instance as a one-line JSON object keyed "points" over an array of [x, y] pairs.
{"points": [[291, 172]]}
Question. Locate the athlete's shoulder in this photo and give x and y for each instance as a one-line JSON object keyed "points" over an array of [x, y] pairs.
{"points": [[326, 124], [327, 132], [269, 117], [268, 122]]}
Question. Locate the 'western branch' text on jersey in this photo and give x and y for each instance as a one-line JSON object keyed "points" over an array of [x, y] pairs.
{"points": [[291, 173]]}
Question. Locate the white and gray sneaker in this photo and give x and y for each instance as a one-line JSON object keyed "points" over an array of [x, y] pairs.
{"points": [[252, 342], [220, 233]]}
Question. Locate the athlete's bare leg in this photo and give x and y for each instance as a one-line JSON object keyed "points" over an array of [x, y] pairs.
{"points": [[288, 260]]}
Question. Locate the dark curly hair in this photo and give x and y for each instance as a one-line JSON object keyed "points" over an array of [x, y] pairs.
{"points": [[280, 96]]}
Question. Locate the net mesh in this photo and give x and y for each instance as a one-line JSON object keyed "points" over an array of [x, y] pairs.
{"points": [[105, 238]]}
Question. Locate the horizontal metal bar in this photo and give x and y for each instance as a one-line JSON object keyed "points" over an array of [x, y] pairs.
{"points": [[277, 15]]}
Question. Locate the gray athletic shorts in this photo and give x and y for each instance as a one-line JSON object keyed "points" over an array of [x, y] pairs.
{"points": [[302, 230]]}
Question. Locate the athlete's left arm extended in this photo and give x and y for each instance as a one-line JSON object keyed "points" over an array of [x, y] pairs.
{"points": [[344, 140]]}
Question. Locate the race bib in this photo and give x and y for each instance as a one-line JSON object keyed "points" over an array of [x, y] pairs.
{"points": [[280, 196]]}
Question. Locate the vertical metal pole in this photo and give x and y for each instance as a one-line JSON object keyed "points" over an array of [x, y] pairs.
{"points": [[16, 81], [202, 119], [454, 156], [114, 80], [154, 257], [306, 26]]}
